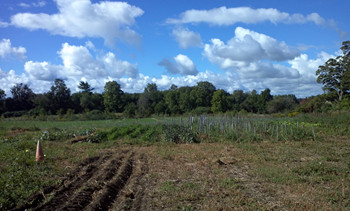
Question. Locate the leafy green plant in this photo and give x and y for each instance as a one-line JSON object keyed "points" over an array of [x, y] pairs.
{"points": [[97, 137], [179, 134]]}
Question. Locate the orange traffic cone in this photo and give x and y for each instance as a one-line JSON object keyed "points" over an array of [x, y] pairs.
{"points": [[39, 153]]}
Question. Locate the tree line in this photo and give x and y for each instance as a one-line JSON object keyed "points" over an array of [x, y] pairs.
{"points": [[202, 98]]}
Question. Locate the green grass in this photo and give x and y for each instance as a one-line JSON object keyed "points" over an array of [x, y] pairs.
{"points": [[295, 166]]}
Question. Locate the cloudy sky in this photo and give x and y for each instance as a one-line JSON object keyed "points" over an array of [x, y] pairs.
{"points": [[233, 44]]}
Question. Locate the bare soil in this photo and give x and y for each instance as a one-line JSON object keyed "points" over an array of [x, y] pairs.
{"points": [[96, 184]]}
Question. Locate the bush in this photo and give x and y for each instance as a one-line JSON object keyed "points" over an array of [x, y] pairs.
{"points": [[98, 137], [13, 114], [179, 134]]}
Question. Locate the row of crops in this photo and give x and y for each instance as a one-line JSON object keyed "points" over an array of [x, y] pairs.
{"points": [[253, 129]]}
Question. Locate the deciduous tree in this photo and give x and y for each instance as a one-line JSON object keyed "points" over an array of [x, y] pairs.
{"points": [[22, 96], [335, 74], [112, 97], [59, 96], [219, 101]]}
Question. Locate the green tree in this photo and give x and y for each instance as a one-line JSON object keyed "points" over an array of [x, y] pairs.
{"points": [[236, 99], [264, 97], [76, 102], [2, 94], [22, 96], [130, 110], [172, 100], [85, 87], [203, 93], [112, 97], [42, 102], [282, 103], [186, 103], [219, 101], [98, 102], [250, 104], [86, 102], [59, 96], [149, 99], [335, 74], [2, 101]]}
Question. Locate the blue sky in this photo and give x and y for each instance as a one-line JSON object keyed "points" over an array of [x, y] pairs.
{"points": [[233, 44]]}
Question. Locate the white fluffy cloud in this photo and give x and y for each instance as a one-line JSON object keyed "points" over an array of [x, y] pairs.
{"points": [[307, 67], [183, 65], [79, 64], [7, 51], [229, 16], [247, 46], [187, 38], [42, 70], [109, 20], [118, 68]]}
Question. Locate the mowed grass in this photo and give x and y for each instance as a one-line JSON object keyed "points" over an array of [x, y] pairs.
{"points": [[254, 175]]}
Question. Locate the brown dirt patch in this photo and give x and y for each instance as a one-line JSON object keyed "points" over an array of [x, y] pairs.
{"points": [[95, 184]]}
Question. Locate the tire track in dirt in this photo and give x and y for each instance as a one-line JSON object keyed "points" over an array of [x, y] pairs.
{"points": [[132, 197], [66, 191], [108, 195], [96, 184], [84, 196]]}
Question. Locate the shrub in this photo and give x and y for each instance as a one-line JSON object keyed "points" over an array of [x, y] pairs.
{"points": [[98, 137], [179, 134]]}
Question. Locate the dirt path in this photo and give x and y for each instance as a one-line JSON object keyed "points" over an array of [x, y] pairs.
{"points": [[97, 184]]}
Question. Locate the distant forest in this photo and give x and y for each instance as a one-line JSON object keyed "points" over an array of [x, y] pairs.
{"points": [[199, 99]]}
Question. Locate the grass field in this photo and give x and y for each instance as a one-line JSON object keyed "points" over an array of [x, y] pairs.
{"points": [[199, 163]]}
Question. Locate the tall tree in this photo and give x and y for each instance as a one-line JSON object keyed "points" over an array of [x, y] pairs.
{"points": [[112, 97], [250, 104], [186, 103], [236, 99], [203, 93], [85, 87], [59, 96], [335, 74], [22, 96], [42, 102], [85, 99], [2, 101], [264, 97], [219, 101], [149, 99], [2, 94], [172, 100]]}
